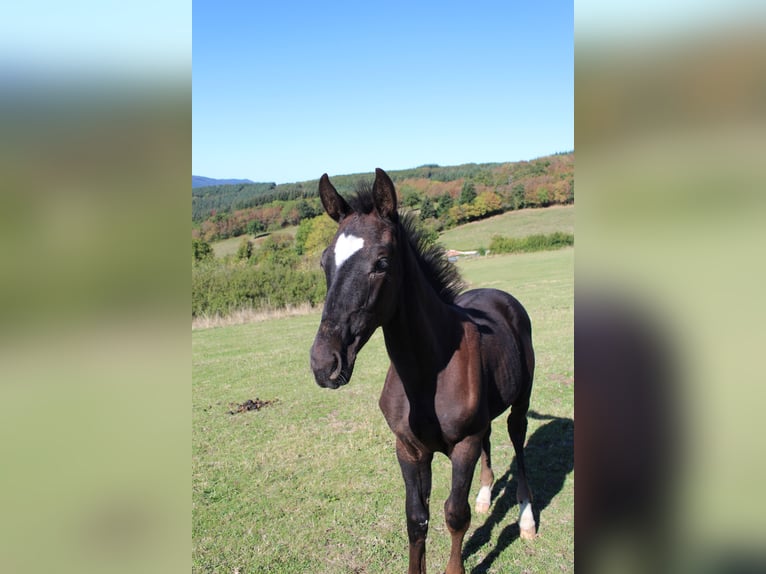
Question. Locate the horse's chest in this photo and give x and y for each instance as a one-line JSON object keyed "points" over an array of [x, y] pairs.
{"points": [[427, 427], [435, 412]]}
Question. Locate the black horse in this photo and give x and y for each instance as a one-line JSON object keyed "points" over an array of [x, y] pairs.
{"points": [[457, 360]]}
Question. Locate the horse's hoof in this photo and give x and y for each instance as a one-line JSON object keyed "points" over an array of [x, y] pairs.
{"points": [[482, 507], [528, 534], [527, 528], [484, 500]]}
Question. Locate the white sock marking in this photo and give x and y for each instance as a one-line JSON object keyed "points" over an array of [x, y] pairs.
{"points": [[526, 518], [485, 495], [345, 247]]}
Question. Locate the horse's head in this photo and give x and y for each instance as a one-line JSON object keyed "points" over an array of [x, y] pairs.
{"points": [[363, 276]]}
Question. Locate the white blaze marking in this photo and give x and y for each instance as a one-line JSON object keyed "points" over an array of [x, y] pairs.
{"points": [[345, 247]]}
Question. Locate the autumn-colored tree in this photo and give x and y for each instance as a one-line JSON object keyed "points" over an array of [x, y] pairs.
{"points": [[208, 230], [322, 231], [457, 214], [290, 215], [489, 203], [270, 215], [563, 191]]}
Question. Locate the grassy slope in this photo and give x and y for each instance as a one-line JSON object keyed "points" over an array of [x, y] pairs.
{"points": [[224, 247], [513, 224], [311, 484], [471, 235]]}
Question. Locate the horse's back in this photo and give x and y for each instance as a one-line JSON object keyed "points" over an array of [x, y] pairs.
{"points": [[506, 344]]}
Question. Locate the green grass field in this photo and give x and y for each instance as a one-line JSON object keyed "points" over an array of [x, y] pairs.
{"points": [[512, 224], [311, 483], [224, 247]]}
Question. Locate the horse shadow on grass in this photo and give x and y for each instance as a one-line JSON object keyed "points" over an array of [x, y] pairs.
{"points": [[549, 457]]}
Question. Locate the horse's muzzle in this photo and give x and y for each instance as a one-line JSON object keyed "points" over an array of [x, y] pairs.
{"points": [[330, 363]]}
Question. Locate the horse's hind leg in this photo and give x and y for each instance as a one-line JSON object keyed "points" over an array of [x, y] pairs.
{"points": [[487, 476], [517, 429]]}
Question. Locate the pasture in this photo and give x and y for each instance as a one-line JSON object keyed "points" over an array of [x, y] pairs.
{"points": [[310, 482], [224, 247], [512, 224]]}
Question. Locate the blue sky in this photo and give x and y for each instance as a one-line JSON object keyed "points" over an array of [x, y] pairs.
{"points": [[284, 91]]}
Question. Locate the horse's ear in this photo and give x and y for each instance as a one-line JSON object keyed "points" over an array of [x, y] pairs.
{"points": [[384, 195], [335, 206]]}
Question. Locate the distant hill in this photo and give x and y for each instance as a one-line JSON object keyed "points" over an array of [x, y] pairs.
{"points": [[223, 210], [200, 181]]}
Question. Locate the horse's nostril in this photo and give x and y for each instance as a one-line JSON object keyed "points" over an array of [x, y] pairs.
{"points": [[338, 365]]}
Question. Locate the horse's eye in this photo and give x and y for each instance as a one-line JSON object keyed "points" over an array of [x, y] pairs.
{"points": [[381, 265]]}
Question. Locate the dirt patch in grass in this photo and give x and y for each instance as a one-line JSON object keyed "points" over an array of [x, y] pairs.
{"points": [[250, 405]]}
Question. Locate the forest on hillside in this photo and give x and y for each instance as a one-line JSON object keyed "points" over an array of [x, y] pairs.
{"points": [[445, 196]]}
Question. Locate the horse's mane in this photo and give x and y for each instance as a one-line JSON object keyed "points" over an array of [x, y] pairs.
{"points": [[431, 257]]}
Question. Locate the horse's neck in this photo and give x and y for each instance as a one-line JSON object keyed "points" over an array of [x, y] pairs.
{"points": [[425, 331]]}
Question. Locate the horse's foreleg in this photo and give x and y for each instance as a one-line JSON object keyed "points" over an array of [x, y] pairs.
{"points": [[416, 471], [457, 511], [517, 429], [484, 499]]}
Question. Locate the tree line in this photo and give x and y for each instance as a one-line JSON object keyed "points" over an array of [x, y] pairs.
{"points": [[445, 196]]}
